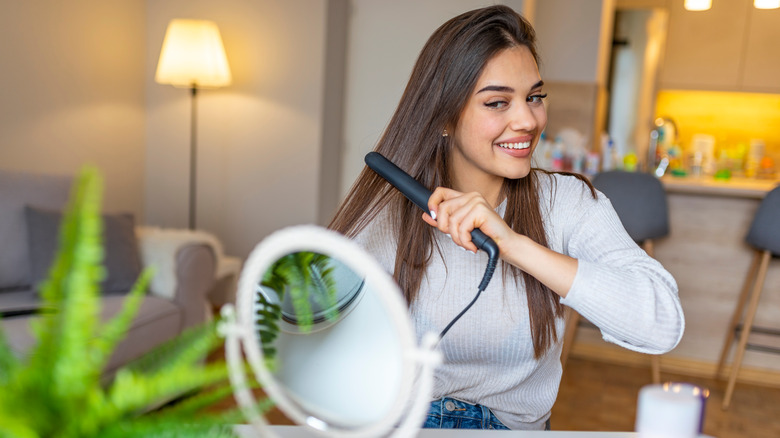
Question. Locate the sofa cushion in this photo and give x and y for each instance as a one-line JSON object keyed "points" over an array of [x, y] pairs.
{"points": [[16, 191], [121, 257], [157, 321]]}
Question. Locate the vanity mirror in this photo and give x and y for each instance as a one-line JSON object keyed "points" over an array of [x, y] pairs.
{"points": [[340, 358]]}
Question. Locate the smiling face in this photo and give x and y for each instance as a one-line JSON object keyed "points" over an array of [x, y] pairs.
{"points": [[500, 125]]}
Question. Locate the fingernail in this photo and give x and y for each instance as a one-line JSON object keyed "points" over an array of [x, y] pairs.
{"points": [[433, 215]]}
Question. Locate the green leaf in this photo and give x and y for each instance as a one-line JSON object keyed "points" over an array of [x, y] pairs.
{"points": [[132, 392], [267, 317], [189, 347], [9, 364], [115, 329], [82, 234]]}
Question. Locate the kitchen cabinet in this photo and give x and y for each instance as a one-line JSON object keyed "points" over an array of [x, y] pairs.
{"points": [[707, 255], [762, 52], [731, 47]]}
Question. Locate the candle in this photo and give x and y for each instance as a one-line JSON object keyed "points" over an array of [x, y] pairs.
{"points": [[671, 410]]}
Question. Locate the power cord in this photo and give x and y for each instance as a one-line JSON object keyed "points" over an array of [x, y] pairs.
{"points": [[491, 267]]}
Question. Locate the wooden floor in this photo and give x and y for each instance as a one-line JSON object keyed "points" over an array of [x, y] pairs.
{"points": [[599, 396]]}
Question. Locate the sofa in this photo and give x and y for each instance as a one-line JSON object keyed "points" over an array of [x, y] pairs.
{"points": [[185, 261]]}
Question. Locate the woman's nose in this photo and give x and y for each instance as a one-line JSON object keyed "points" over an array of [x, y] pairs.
{"points": [[523, 118]]}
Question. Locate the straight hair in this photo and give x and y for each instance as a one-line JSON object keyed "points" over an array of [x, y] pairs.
{"points": [[439, 87]]}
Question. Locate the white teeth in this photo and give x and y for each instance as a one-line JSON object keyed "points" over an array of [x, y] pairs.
{"points": [[524, 145]]}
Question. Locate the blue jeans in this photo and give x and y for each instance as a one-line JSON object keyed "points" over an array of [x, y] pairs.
{"points": [[449, 413]]}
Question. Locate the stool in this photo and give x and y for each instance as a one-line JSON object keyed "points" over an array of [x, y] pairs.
{"points": [[764, 237], [640, 202]]}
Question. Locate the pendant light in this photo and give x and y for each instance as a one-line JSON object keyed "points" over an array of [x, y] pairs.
{"points": [[698, 5], [766, 4]]}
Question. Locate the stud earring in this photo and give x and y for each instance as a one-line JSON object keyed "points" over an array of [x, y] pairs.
{"points": [[445, 133]]}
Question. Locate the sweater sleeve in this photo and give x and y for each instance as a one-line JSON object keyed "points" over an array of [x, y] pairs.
{"points": [[627, 294]]}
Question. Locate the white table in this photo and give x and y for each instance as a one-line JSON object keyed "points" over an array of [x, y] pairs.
{"points": [[246, 431]]}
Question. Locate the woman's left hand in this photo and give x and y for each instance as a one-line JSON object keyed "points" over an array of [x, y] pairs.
{"points": [[457, 214]]}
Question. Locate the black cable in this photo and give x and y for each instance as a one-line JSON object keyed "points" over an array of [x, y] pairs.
{"points": [[491, 267]]}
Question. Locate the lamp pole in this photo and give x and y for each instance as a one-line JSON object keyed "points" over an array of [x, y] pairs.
{"points": [[192, 55], [193, 154]]}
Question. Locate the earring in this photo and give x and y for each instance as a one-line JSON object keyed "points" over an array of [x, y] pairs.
{"points": [[445, 133]]}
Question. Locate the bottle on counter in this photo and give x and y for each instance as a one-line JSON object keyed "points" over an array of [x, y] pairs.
{"points": [[558, 155], [608, 153], [766, 168], [703, 147], [592, 162], [753, 158]]}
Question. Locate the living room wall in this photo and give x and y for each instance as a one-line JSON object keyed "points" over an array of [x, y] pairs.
{"points": [[77, 87], [72, 92], [259, 139]]}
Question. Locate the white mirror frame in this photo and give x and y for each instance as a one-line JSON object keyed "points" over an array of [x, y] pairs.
{"points": [[238, 330]]}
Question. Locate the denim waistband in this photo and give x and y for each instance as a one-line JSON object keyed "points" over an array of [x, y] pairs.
{"points": [[450, 413]]}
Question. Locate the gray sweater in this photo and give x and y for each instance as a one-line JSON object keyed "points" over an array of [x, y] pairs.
{"points": [[488, 353]]}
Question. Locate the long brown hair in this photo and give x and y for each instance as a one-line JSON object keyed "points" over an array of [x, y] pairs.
{"points": [[441, 82]]}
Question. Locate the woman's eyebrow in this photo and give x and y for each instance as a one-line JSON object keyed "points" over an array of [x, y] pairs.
{"points": [[505, 89], [499, 88]]}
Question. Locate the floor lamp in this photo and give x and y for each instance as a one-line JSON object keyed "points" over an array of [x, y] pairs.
{"points": [[193, 57]]}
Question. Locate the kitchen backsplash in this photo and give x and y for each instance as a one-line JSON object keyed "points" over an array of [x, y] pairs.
{"points": [[733, 119]]}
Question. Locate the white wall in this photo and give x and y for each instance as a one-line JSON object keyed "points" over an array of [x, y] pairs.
{"points": [[72, 92], [574, 39], [385, 38], [259, 139]]}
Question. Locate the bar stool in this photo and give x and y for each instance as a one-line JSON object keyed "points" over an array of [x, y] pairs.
{"points": [[764, 236], [640, 202]]}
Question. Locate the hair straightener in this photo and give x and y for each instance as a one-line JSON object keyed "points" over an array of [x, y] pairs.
{"points": [[419, 195]]}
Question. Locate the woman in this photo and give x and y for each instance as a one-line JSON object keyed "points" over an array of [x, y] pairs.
{"points": [[467, 125]]}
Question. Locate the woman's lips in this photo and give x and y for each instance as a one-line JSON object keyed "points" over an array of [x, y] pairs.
{"points": [[517, 147]]}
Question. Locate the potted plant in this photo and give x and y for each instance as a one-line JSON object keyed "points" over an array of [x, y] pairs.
{"points": [[57, 391]]}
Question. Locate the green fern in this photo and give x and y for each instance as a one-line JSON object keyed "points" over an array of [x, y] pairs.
{"points": [[56, 391], [303, 275]]}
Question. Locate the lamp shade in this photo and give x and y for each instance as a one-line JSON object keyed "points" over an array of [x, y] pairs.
{"points": [[192, 55]]}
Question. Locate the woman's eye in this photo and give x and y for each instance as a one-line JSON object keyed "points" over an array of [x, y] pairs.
{"points": [[497, 104], [536, 98]]}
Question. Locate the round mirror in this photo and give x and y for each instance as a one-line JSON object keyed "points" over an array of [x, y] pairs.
{"points": [[327, 334]]}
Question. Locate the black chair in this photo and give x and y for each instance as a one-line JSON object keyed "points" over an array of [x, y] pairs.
{"points": [[764, 237], [640, 202]]}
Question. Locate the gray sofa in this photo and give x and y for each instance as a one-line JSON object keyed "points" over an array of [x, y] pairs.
{"points": [[186, 261]]}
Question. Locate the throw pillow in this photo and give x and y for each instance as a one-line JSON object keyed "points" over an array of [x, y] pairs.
{"points": [[18, 189], [121, 257]]}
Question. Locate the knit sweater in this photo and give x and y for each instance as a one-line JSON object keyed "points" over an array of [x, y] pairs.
{"points": [[488, 353]]}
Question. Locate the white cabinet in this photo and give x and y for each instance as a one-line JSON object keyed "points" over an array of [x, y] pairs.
{"points": [[762, 52], [703, 49], [732, 47]]}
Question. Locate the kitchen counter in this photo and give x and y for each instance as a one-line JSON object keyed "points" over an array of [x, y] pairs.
{"points": [[708, 257], [734, 187]]}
